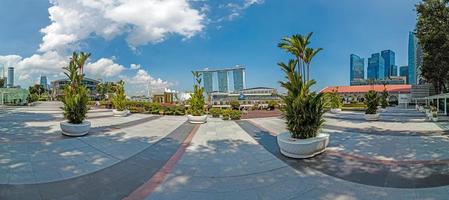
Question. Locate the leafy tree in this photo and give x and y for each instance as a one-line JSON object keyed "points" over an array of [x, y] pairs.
{"points": [[432, 30], [75, 93], [235, 105], [272, 104], [297, 45], [384, 99], [335, 99], [303, 109], [2, 82], [371, 101], [119, 99], [197, 102]]}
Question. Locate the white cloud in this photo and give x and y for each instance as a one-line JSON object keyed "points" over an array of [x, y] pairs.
{"points": [[236, 9], [143, 22], [142, 81], [104, 67], [140, 21], [135, 66]]}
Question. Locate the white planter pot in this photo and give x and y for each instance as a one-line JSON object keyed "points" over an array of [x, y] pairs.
{"points": [[435, 119], [75, 130], [197, 119], [335, 110], [372, 117], [122, 113], [302, 148]]}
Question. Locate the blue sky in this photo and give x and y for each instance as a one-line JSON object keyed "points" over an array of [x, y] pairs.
{"points": [[225, 33]]}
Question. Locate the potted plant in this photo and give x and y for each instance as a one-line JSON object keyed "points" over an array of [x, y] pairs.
{"points": [[75, 98], [226, 114], [235, 114], [196, 102], [303, 111], [371, 101], [384, 100], [119, 100], [215, 112], [335, 101], [434, 115]]}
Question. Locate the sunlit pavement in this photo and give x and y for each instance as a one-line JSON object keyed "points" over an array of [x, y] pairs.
{"points": [[402, 156]]}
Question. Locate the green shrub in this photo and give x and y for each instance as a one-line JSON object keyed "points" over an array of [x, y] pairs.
{"points": [[303, 109], [235, 105], [384, 99], [335, 100], [235, 115], [272, 105], [197, 102], [215, 112], [371, 101], [119, 99], [75, 93], [226, 114], [32, 98]]}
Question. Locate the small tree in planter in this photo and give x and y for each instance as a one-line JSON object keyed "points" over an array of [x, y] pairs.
{"points": [[119, 100], [197, 102], [371, 101], [434, 114], [215, 112], [384, 99], [75, 98], [235, 105], [272, 105], [303, 112], [335, 101]]}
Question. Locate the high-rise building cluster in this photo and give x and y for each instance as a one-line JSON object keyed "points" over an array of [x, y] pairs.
{"points": [[223, 79], [382, 67], [9, 78]]}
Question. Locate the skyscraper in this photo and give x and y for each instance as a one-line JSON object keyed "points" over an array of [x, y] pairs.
{"points": [[403, 71], [357, 68], [394, 70], [239, 79], [414, 59], [238, 74], [10, 77], [389, 61], [376, 67], [43, 82], [207, 81], [223, 81]]}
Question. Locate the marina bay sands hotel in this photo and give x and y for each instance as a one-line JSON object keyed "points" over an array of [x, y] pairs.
{"points": [[223, 75]]}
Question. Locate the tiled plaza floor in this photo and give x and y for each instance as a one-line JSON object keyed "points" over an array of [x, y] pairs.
{"points": [[402, 156]]}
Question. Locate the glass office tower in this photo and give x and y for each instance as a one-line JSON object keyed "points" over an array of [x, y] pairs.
{"points": [[394, 70], [223, 81], [376, 67], [403, 71], [357, 68], [414, 59], [389, 61], [239, 79], [207, 81]]}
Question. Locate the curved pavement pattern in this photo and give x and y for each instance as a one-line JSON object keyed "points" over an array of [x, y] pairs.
{"points": [[393, 159]]}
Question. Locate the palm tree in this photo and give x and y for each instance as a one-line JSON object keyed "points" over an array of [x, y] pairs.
{"points": [[296, 45], [309, 53]]}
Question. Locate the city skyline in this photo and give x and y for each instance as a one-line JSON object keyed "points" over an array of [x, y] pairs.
{"points": [[168, 60]]}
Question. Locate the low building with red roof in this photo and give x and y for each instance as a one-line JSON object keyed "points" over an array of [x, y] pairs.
{"points": [[356, 93]]}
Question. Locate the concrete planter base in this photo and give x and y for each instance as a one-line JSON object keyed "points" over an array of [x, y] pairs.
{"points": [[197, 119], [75, 130], [335, 110], [122, 113], [372, 117], [302, 148]]}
